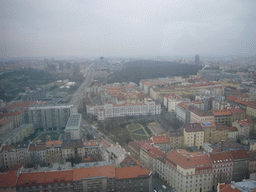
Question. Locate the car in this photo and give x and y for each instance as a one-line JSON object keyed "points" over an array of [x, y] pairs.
{"points": [[164, 187], [155, 189]]}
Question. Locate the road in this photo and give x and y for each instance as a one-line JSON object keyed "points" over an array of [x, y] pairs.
{"points": [[78, 95]]}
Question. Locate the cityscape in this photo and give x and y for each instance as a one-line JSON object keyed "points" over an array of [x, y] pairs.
{"points": [[125, 106]]}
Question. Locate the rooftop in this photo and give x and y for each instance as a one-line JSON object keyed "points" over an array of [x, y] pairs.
{"points": [[193, 127], [104, 171], [188, 160], [131, 172], [8, 179], [221, 157], [221, 112], [74, 121], [239, 154], [161, 139]]}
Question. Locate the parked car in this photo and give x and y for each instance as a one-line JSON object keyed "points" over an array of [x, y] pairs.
{"points": [[163, 186]]}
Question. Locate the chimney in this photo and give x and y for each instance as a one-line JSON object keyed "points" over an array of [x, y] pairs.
{"points": [[222, 144]]}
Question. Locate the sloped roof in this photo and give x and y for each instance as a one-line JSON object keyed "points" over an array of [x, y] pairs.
{"points": [[8, 179], [131, 172], [107, 171], [239, 154]]}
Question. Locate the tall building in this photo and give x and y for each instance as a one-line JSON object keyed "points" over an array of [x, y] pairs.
{"points": [[49, 117], [73, 126], [197, 60]]}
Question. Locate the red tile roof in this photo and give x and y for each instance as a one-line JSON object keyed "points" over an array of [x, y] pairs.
{"points": [[131, 172], [59, 176], [239, 154], [188, 160], [8, 179], [10, 114], [7, 148], [221, 112], [232, 129], [234, 110], [221, 127], [228, 188], [108, 171], [37, 147], [155, 152], [161, 139], [26, 179], [221, 157], [4, 121]]}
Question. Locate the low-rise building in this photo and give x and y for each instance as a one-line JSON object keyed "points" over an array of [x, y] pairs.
{"points": [[134, 147], [91, 148], [115, 153]]}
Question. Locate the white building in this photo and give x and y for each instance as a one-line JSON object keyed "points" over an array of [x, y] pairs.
{"points": [[119, 110]]}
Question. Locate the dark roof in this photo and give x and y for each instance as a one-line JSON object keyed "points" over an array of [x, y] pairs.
{"points": [[68, 144], [193, 127]]}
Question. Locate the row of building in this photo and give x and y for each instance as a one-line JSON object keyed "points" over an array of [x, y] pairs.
{"points": [[194, 171], [103, 178]]}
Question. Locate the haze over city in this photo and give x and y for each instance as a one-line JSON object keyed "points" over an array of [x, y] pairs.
{"points": [[127, 28]]}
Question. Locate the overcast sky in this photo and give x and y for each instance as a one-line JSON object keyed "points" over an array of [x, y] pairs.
{"points": [[127, 27]]}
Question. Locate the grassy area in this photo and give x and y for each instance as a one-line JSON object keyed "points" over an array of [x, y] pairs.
{"points": [[137, 131]]}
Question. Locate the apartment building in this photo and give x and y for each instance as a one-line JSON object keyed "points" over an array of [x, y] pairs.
{"points": [[162, 142], [73, 127], [252, 161], [91, 148], [135, 178], [176, 139], [15, 155], [222, 117], [18, 134], [37, 153], [199, 116], [237, 113], [251, 109], [49, 117], [149, 155], [149, 107], [17, 117], [243, 128], [232, 133], [72, 149], [222, 168], [193, 135], [53, 153], [241, 165], [6, 125], [170, 101], [134, 147], [94, 179], [183, 112], [188, 171]]}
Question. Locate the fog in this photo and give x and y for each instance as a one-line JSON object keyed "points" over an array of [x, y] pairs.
{"points": [[127, 28]]}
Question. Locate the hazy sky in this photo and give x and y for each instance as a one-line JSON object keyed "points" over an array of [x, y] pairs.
{"points": [[126, 27]]}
